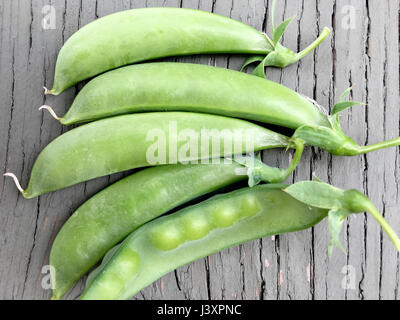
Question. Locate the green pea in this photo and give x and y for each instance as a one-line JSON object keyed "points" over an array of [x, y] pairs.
{"points": [[225, 216], [167, 236], [196, 226], [249, 206], [111, 286], [119, 273], [122, 143], [128, 265], [285, 214]]}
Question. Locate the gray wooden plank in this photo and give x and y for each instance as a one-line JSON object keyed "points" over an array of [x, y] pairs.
{"points": [[377, 116], [296, 247], [390, 275], [23, 139], [322, 161], [346, 72]]}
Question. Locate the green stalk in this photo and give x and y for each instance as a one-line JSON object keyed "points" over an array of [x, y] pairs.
{"points": [[270, 42], [384, 224], [380, 145], [276, 175], [325, 32], [299, 145]]}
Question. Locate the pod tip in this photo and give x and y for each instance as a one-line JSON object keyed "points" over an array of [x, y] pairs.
{"points": [[17, 184], [51, 111], [46, 91], [50, 92], [327, 30]]}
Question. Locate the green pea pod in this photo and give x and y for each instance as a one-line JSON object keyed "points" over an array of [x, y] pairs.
{"points": [[221, 222], [199, 88], [191, 87], [109, 216], [140, 140], [144, 34]]}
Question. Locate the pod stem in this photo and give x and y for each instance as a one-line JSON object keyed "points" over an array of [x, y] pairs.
{"points": [[380, 145], [299, 146], [16, 181], [258, 171], [369, 206], [51, 111], [325, 32], [282, 174]]}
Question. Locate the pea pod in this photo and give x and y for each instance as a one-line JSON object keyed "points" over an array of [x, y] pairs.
{"points": [[144, 34], [168, 242], [109, 216], [190, 87], [127, 142], [223, 221], [199, 88]]}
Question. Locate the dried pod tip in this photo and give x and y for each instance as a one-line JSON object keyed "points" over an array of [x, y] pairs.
{"points": [[46, 91], [13, 176], [51, 111]]}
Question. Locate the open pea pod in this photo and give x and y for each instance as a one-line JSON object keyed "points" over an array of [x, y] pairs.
{"points": [[223, 221], [169, 242]]}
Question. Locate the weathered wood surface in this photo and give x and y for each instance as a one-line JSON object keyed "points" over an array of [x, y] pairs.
{"points": [[363, 51]]}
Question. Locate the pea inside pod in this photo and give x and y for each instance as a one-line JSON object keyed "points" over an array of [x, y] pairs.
{"points": [[168, 242], [144, 34], [140, 140]]}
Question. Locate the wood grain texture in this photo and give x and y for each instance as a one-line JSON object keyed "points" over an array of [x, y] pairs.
{"points": [[363, 51]]}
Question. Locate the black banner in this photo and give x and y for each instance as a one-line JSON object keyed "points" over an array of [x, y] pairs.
{"points": [[198, 309]]}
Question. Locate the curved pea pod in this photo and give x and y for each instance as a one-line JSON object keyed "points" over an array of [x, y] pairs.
{"points": [[109, 216], [221, 222], [199, 88], [191, 87], [140, 140], [138, 35]]}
